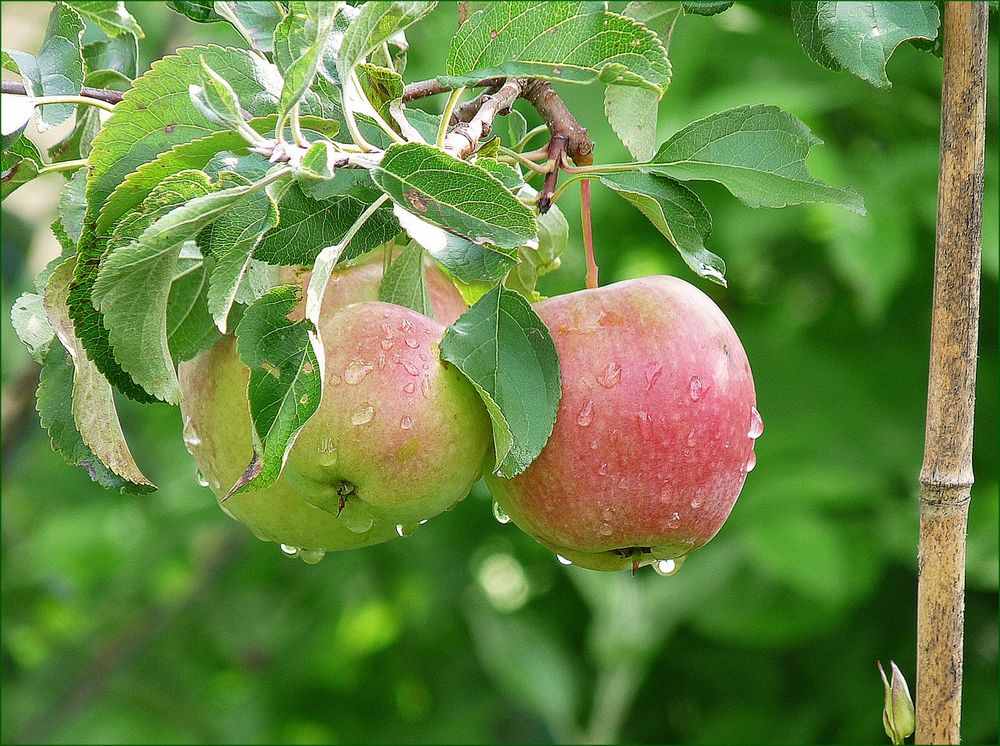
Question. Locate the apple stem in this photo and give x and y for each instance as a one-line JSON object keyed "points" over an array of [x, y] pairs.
{"points": [[588, 233]]}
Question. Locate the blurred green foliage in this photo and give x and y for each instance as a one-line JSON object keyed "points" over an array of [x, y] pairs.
{"points": [[157, 619]]}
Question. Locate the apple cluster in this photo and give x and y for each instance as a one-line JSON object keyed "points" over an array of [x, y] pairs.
{"points": [[652, 442]]}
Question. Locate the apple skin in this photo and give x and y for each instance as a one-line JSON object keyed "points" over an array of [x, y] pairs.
{"points": [[296, 511], [652, 438]]}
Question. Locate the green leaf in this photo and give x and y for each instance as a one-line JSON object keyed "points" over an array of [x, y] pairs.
{"points": [[757, 152], [404, 283], [255, 20], [299, 75], [232, 240], [506, 174], [189, 155], [136, 322], [157, 114], [861, 36], [57, 70], [202, 11], [461, 197], [375, 23], [707, 7], [31, 325], [190, 327], [111, 17], [381, 86], [677, 213], [472, 262], [317, 163], [69, 216], [504, 349], [805, 24], [109, 62], [576, 42], [87, 409], [309, 225], [216, 99], [517, 127], [656, 16], [285, 380], [19, 164]]}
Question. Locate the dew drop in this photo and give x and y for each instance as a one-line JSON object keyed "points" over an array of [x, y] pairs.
{"points": [[751, 462], [387, 328], [586, 414], [756, 424], [200, 478], [696, 503], [607, 514], [605, 529], [675, 520], [356, 371], [405, 325], [653, 371], [409, 388], [406, 422], [500, 514], [668, 567], [406, 529], [381, 360], [602, 470], [409, 367], [364, 415], [411, 343], [422, 522], [386, 344], [290, 550], [333, 379], [311, 556], [563, 560], [191, 439], [357, 521], [610, 376], [696, 388], [327, 452], [425, 387]]}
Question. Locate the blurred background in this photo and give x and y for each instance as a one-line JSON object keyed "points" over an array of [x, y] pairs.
{"points": [[156, 619]]}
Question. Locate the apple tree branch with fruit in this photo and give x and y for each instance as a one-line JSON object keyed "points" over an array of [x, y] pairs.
{"points": [[338, 288]]}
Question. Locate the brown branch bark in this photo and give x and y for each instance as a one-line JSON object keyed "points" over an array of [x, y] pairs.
{"points": [[462, 140], [101, 94], [425, 88], [946, 475]]}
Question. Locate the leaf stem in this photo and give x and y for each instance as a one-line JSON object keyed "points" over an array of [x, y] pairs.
{"points": [[100, 94], [449, 109], [53, 168], [77, 100], [297, 135], [534, 131], [523, 159], [601, 168]]}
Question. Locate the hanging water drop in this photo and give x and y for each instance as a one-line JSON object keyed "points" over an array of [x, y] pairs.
{"points": [[290, 550], [405, 529], [311, 556], [190, 436], [500, 514], [563, 560], [668, 567], [756, 424], [200, 478], [751, 462]]}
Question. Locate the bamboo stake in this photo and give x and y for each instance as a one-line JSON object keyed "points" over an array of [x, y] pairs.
{"points": [[946, 475]]}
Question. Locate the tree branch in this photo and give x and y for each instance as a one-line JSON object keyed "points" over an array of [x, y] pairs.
{"points": [[425, 88], [462, 140], [98, 94]]}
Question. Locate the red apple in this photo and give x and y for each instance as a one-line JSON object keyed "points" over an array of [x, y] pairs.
{"points": [[655, 430]]}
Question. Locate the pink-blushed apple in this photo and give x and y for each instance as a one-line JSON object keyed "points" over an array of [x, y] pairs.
{"points": [[655, 430], [398, 436]]}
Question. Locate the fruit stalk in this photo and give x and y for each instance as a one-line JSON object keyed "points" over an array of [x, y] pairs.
{"points": [[946, 475], [588, 234]]}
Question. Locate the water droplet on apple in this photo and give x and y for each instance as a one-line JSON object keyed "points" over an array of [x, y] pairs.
{"points": [[422, 522], [327, 452], [563, 560], [405, 325], [405, 529], [289, 550], [356, 520], [500, 514], [751, 462], [333, 379], [386, 344], [668, 567], [607, 514], [586, 414], [675, 520], [425, 387], [756, 424], [200, 479], [691, 439], [696, 388], [311, 556], [605, 529], [696, 503], [602, 470], [411, 343], [653, 371], [406, 422], [409, 388], [191, 439], [610, 376], [356, 371], [364, 415], [409, 367]]}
